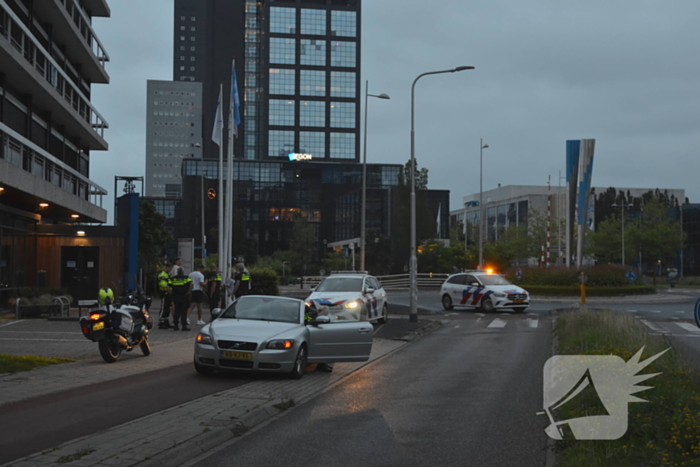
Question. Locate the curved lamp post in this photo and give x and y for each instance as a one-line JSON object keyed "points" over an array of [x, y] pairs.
{"points": [[363, 222], [482, 146], [413, 261]]}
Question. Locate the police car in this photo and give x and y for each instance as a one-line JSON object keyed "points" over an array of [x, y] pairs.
{"points": [[352, 292], [484, 290]]}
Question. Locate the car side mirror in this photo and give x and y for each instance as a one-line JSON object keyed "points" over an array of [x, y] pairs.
{"points": [[370, 289], [476, 284], [325, 319], [215, 313]]}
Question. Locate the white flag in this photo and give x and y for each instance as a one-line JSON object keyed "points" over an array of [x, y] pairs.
{"points": [[438, 220], [218, 123]]}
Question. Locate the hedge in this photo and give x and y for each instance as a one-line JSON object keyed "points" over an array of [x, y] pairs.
{"points": [[598, 276], [264, 282], [567, 291]]}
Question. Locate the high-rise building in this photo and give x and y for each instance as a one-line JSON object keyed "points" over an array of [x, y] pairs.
{"points": [[173, 133], [50, 56]]}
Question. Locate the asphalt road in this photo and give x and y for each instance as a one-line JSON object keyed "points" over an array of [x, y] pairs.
{"points": [[466, 394]]}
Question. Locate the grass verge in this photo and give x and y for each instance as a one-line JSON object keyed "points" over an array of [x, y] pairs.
{"points": [[14, 364], [665, 431]]}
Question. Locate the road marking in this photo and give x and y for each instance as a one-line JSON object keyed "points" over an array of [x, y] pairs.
{"points": [[680, 311], [10, 324], [532, 322], [480, 314], [456, 326], [655, 328], [655, 311], [688, 327], [497, 323]]}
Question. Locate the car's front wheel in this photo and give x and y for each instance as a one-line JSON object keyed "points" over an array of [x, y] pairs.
{"points": [[487, 304], [385, 315], [447, 302], [299, 363]]}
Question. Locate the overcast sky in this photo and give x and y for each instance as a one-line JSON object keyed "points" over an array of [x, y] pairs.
{"points": [[624, 73]]}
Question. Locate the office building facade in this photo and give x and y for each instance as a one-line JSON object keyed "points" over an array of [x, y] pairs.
{"points": [[173, 133], [50, 56]]}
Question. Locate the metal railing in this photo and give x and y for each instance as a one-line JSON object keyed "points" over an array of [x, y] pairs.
{"points": [[82, 21], [26, 155], [17, 33], [403, 281]]}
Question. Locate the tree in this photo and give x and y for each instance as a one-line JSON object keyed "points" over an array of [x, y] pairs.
{"points": [[378, 259], [606, 241], [153, 237], [303, 241], [659, 236]]}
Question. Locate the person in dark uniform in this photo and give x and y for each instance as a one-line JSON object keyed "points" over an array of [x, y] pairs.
{"points": [[214, 287], [166, 297], [243, 283], [181, 285]]}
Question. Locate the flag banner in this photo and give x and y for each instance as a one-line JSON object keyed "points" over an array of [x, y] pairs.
{"points": [[218, 123], [235, 101], [438, 219], [585, 171]]}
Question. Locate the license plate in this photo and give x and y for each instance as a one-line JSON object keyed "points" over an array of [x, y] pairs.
{"points": [[238, 355], [518, 301], [99, 325]]}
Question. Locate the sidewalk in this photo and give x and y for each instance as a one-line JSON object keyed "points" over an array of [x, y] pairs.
{"points": [[193, 428]]}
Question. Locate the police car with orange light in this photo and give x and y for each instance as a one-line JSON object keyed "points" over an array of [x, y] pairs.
{"points": [[483, 289], [352, 292]]}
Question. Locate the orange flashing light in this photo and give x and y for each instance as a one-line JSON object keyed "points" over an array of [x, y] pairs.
{"points": [[95, 316], [288, 344], [489, 270]]}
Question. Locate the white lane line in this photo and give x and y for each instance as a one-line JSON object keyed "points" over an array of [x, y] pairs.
{"points": [[681, 311], [10, 324], [497, 323], [456, 326], [532, 322], [655, 327], [655, 311], [689, 327], [480, 314]]}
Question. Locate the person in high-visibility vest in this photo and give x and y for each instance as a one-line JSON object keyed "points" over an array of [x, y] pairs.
{"points": [[214, 287], [243, 282], [166, 297], [181, 285]]}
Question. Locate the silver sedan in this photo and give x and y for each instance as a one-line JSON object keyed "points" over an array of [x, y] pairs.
{"points": [[279, 334]]}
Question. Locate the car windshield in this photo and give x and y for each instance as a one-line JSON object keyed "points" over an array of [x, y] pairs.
{"points": [[493, 279], [340, 284], [264, 309]]}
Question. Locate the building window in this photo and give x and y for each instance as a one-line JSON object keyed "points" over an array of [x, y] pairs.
{"points": [[280, 143], [342, 145], [313, 52], [313, 83], [343, 114], [283, 20], [281, 112], [343, 84], [282, 50], [312, 113], [314, 143], [313, 22], [343, 54], [344, 23], [282, 81]]}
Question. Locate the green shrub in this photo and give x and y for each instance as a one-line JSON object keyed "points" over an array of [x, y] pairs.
{"points": [[598, 276], [264, 282], [575, 290]]}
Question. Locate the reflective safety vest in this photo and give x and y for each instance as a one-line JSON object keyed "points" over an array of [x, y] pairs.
{"points": [[245, 278], [163, 281], [180, 285]]}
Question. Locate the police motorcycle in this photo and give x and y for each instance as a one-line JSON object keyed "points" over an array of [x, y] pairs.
{"points": [[119, 325]]}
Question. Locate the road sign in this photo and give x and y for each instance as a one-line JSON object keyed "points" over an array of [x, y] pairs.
{"points": [[630, 275], [519, 274]]}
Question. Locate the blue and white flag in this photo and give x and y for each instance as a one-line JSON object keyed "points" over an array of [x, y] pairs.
{"points": [[218, 123], [235, 101], [438, 219]]}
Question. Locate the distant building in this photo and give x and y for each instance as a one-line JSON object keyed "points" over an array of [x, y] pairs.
{"points": [[173, 133]]}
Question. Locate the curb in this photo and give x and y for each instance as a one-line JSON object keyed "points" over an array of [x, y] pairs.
{"points": [[203, 443], [551, 457]]}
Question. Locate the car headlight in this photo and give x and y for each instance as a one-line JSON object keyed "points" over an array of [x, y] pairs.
{"points": [[499, 295], [281, 344], [203, 338], [352, 305]]}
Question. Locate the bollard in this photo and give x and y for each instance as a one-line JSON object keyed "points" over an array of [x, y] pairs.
{"points": [[583, 288]]}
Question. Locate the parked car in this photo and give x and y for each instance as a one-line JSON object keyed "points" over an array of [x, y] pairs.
{"points": [[270, 333], [484, 290], [352, 292]]}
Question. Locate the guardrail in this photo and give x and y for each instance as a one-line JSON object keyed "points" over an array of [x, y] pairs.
{"points": [[403, 281]]}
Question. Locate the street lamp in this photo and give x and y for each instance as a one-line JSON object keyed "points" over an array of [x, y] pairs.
{"points": [[364, 179], [482, 146], [622, 210], [413, 261]]}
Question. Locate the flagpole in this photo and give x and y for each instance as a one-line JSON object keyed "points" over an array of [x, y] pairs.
{"points": [[232, 130], [221, 184]]}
